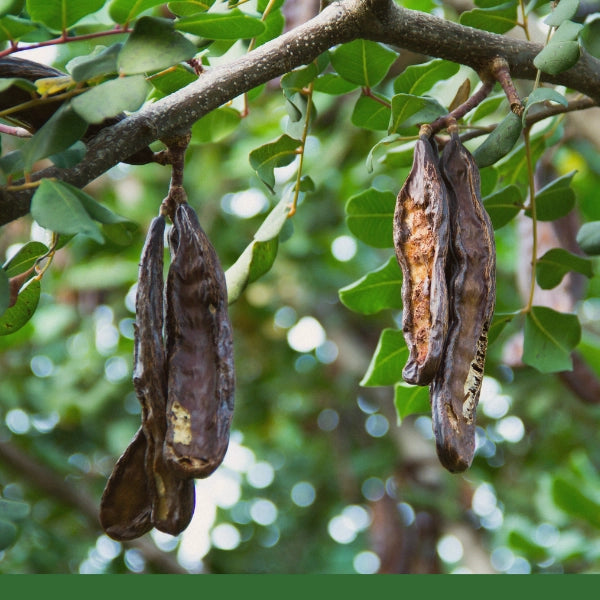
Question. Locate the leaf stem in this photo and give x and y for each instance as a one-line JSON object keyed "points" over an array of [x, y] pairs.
{"points": [[309, 95], [532, 207]]}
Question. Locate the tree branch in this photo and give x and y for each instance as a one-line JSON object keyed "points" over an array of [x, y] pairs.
{"points": [[340, 22], [44, 479]]}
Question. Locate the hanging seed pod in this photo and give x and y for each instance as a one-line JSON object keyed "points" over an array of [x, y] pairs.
{"points": [[199, 350], [172, 497], [472, 286], [126, 505], [421, 234]]}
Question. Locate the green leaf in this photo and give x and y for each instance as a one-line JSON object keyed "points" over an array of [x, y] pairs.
{"points": [[388, 361], [111, 98], [333, 84], [259, 255], [368, 113], [70, 157], [556, 263], [8, 82], [487, 107], [59, 15], [102, 61], [386, 141], [13, 7], [12, 162], [17, 315], [503, 205], [370, 215], [571, 499], [153, 45], [375, 291], [556, 58], [590, 37], [499, 322], [233, 25], [411, 400], [13, 510], [555, 199], [13, 28], [266, 158], [25, 258], [94, 209], [497, 19], [216, 125], [56, 207], [563, 11], [274, 24], [60, 132], [172, 80], [542, 95], [362, 62], [409, 110], [4, 291], [550, 337], [8, 534], [418, 79], [124, 11], [588, 238], [191, 7], [567, 32], [500, 142], [298, 79]]}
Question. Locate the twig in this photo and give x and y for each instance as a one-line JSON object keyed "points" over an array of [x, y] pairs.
{"points": [[41, 477]]}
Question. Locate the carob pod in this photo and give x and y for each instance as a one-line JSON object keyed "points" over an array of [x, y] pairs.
{"points": [[199, 346], [456, 387], [126, 505], [172, 497], [421, 237]]}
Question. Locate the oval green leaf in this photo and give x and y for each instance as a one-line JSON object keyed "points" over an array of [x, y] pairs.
{"points": [[55, 206], [111, 98], [25, 258], [232, 25], [17, 315], [556, 263], [550, 337], [588, 238], [370, 215], [153, 45], [362, 62], [377, 290], [388, 360]]}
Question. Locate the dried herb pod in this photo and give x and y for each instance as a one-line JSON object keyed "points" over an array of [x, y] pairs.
{"points": [[172, 497], [472, 288], [421, 235], [126, 505], [199, 347]]}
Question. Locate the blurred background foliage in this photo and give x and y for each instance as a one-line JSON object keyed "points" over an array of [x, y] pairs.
{"points": [[321, 476]]}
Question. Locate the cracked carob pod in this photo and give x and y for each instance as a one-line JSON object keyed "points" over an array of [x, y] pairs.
{"points": [[143, 491], [421, 235], [172, 497], [199, 349], [472, 289]]}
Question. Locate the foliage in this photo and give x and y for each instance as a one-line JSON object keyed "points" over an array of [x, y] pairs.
{"points": [[332, 465]]}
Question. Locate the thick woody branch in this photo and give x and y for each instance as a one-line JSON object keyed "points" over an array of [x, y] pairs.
{"points": [[340, 22]]}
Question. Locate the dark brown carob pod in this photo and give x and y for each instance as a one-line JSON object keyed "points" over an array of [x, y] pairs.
{"points": [[472, 290], [421, 234], [199, 349], [126, 505], [172, 497]]}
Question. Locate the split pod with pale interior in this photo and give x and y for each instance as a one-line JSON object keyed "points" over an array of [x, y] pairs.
{"points": [[421, 235]]}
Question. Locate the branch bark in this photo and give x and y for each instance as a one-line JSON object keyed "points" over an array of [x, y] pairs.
{"points": [[340, 22], [41, 477]]}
